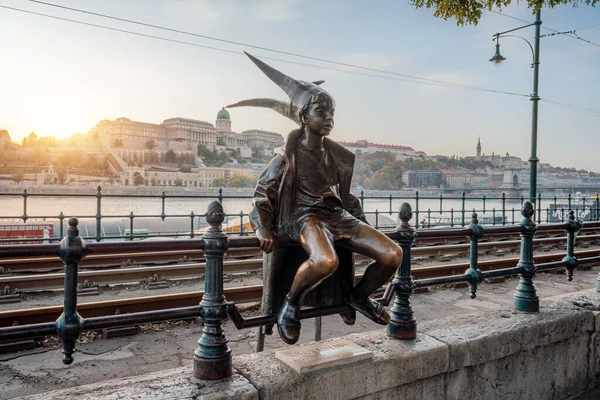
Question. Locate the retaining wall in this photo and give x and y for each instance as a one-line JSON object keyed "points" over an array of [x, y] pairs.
{"points": [[486, 355]]}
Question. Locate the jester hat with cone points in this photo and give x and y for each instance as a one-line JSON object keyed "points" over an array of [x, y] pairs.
{"points": [[299, 92]]}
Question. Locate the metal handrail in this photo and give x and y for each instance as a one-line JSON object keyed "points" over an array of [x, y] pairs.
{"points": [[501, 215], [212, 359]]}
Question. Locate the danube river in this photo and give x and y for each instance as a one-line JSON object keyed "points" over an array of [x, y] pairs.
{"points": [[49, 207]]}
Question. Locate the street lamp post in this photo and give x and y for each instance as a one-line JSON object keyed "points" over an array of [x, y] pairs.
{"points": [[534, 97]]}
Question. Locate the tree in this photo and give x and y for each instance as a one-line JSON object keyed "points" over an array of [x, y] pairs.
{"points": [[387, 178], [219, 182], [17, 177], [138, 180], [118, 143], [242, 181], [170, 156], [150, 144], [469, 11]]}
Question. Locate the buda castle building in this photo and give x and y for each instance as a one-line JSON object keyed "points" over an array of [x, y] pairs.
{"points": [[132, 140], [153, 154]]}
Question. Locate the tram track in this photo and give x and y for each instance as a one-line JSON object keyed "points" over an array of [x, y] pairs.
{"points": [[188, 270], [238, 295], [121, 259]]}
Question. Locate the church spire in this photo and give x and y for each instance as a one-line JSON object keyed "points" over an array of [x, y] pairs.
{"points": [[479, 146]]}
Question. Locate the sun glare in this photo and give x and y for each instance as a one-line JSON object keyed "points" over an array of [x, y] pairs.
{"points": [[57, 116]]}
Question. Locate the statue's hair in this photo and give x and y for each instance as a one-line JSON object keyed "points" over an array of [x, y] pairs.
{"points": [[313, 99]]}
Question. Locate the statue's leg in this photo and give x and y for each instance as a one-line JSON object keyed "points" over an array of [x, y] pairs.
{"points": [[322, 262], [387, 255]]}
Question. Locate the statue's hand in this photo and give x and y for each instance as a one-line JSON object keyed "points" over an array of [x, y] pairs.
{"points": [[267, 239]]}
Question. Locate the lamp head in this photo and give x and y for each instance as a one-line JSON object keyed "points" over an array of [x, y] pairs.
{"points": [[497, 59]]}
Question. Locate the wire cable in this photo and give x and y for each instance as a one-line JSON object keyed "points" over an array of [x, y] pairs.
{"points": [[583, 110], [402, 77], [587, 27], [236, 42], [573, 36]]}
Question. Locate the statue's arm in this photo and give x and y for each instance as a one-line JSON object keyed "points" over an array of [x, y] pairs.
{"points": [[266, 197], [355, 208]]}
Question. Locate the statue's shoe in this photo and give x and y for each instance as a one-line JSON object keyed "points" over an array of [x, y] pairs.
{"points": [[349, 317], [370, 309], [288, 322]]}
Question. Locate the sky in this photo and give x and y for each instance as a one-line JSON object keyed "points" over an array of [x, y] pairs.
{"points": [[58, 78]]}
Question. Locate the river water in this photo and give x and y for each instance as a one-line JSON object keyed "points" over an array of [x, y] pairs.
{"points": [[431, 208]]}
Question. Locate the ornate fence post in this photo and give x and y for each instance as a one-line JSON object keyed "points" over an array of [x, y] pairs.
{"points": [[212, 358], [475, 277], [99, 214], [72, 250], [403, 325], [570, 260], [25, 217], [525, 298]]}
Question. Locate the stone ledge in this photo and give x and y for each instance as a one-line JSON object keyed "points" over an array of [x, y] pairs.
{"points": [[395, 363], [481, 337], [175, 383], [492, 354]]}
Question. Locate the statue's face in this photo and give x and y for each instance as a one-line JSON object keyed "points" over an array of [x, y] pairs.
{"points": [[320, 115]]}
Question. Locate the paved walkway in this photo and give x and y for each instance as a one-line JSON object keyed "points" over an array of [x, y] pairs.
{"points": [[170, 345]]}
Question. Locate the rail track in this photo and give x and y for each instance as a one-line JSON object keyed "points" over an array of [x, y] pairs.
{"points": [[101, 261], [111, 276], [237, 294]]}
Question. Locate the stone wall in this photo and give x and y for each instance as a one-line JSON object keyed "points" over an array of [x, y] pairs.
{"points": [[493, 355]]}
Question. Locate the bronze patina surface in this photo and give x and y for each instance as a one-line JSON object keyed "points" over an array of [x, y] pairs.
{"points": [[304, 193]]}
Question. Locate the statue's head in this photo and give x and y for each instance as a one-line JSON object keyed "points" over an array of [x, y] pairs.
{"points": [[317, 114], [301, 94]]}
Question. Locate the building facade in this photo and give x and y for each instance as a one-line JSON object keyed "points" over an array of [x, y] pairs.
{"points": [[135, 141], [425, 178], [400, 152]]}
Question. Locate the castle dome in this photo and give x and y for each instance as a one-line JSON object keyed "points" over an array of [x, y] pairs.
{"points": [[223, 114]]}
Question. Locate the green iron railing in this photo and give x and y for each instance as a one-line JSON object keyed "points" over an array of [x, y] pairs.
{"points": [[430, 211], [212, 358]]}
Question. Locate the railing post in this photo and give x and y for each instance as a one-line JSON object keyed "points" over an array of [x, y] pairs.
{"points": [[462, 209], [403, 324], [25, 217], [61, 218], [416, 209], [131, 217], [539, 208], [163, 196], [212, 358], [570, 260], [192, 216], [475, 277], [99, 214], [525, 298], [72, 250], [503, 208]]}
